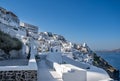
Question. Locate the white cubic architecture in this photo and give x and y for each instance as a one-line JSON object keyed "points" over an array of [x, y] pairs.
{"points": [[8, 18], [29, 27]]}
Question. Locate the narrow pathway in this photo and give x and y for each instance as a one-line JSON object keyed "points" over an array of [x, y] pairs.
{"points": [[45, 73]]}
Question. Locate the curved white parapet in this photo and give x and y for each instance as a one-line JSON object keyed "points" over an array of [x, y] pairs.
{"points": [[68, 60], [97, 74], [109, 79], [74, 73]]}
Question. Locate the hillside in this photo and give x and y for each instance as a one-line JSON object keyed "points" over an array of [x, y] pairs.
{"points": [[116, 50], [49, 42], [8, 43]]}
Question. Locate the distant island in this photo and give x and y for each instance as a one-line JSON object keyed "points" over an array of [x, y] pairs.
{"points": [[114, 50]]}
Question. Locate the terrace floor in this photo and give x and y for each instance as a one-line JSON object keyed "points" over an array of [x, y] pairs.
{"points": [[14, 62], [45, 73]]}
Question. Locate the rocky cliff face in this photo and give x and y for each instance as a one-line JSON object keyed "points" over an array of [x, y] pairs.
{"points": [[100, 62]]}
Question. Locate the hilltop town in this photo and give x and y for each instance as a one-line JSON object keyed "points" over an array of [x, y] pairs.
{"points": [[47, 54]]}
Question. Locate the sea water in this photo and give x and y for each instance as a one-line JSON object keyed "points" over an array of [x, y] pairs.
{"points": [[112, 58]]}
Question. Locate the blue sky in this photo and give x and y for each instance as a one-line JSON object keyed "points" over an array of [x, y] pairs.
{"points": [[96, 22]]}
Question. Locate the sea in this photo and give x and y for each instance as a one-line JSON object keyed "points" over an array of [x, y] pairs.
{"points": [[112, 58]]}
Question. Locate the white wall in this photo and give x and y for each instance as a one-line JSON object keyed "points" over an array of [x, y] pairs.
{"points": [[76, 74], [67, 71], [54, 57], [58, 68], [11, 31], [68, 60]]}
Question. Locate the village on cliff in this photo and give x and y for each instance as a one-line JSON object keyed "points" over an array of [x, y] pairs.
{"points": [[46, 56]]}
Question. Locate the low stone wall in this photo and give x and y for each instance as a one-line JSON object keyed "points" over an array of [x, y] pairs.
{"points": [[30, 75], [20, 73]]}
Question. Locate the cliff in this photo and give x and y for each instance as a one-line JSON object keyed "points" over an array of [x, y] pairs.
{"points": [[100, 62]]}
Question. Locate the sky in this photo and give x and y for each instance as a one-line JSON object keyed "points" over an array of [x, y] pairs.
{"points": [[95, 22]]}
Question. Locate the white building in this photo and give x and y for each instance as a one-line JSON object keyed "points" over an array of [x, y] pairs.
{"points": [[8, 18], [29, 27]]}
